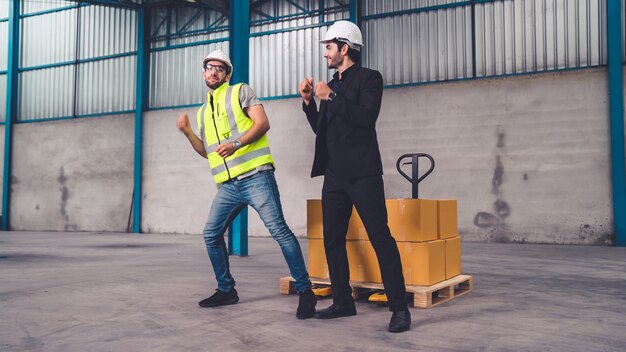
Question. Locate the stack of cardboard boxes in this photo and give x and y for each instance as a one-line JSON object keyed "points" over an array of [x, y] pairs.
{"points": [[424, 229]]}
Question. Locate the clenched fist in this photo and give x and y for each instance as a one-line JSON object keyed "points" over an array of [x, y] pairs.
{"points": [[305, 88], [183, 124]]}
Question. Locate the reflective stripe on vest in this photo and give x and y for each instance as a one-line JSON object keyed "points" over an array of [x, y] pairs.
{"points": [[227, 116], [240, 160]]}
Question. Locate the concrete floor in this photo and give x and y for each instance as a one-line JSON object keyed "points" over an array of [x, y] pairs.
{"points": [[121, 292]]}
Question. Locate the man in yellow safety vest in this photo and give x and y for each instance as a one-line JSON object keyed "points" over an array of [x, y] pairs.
{"points": [[233, 126]]}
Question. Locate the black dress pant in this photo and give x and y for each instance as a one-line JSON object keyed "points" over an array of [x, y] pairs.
{"points": [[367, 194]]}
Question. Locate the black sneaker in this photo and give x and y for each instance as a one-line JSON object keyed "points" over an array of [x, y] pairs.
{"points": [[306, 306], [220, 298]]}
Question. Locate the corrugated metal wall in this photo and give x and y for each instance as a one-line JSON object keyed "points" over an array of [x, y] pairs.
{"points": [[188, 24], [106, 31], [537, 35], [421, 47], [105, 86], [46, 93], [511, 36], [30, 6], [48, 39], [445, 40], [176, 75], [4, 44], [279, 61], [176, 72], [4, 9], [66, 36]]}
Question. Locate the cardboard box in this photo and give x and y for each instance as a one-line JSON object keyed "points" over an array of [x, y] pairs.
{"points": [[447, 218], [314, 218], [453, 257], [363, 262], [318, 267], [423, 263], [315, 225], [412, 220]]}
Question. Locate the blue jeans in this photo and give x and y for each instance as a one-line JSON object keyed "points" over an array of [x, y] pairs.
{"points": [[261, 192]]}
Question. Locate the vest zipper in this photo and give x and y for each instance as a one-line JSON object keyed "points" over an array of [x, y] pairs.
{"points": [[217, 133]]}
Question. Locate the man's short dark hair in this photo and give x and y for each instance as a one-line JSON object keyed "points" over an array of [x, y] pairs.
{"points": [[353, 54]]}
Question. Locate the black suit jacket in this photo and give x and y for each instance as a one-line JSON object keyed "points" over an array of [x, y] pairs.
{"points": [[346, 142]]}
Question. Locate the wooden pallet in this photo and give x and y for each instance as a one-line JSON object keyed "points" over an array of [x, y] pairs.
{"points": [[423, 296]]}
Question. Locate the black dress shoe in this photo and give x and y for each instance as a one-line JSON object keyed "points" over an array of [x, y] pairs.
{"points": [[400, 321], [336, 311], [220, 298], [306, 306]]}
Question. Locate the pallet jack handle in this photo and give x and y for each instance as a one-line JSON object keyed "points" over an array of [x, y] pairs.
{"points": [[415, 180]]}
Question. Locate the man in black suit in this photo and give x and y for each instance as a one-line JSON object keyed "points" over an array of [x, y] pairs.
{"points": [[347, 154]]}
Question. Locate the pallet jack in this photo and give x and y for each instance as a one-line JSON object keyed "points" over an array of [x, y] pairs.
{"points": [[379, 296]]}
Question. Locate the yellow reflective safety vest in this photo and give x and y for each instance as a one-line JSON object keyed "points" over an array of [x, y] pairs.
{"points": [[222, 120]]}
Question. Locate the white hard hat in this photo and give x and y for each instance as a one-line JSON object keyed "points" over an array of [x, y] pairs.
{"points": [[218, 55], [344, 31]]}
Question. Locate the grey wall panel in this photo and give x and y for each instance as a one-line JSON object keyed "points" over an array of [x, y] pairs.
{"points": [[3, 97], [30, 6], [421, 47], [176, 75], [48, 38], [373, 7], [4, 45], [106, 86], [512, 36], [4, 9], [520, 36], [46, 93], [280, 61], [106, 31]]}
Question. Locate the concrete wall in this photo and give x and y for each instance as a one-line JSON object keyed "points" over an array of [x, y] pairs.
{"points": [[73, 175], [178, 186], [527, 158]]}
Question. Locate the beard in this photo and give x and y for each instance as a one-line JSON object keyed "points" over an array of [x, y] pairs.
{"points": [[215, 84], [333, 62]]}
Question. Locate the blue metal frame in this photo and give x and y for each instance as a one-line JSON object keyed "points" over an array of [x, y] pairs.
{"points": [[178, 46], [239, 22], [78, 61], [58, 9], [355, 12], [427, 8], [143, 54], [11, 108], [616, 109], [290, 29]]}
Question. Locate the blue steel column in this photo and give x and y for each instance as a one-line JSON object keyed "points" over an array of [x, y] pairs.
{"points": [[239, 26], [11, 108], [355, 12], [616, 108], [143, 54]]}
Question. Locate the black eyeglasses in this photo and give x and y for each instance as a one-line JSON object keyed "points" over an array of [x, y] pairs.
{"points": [[216, 68]]}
